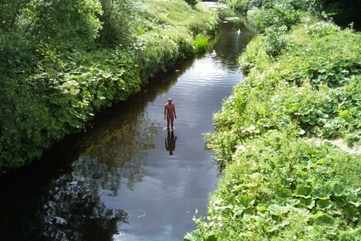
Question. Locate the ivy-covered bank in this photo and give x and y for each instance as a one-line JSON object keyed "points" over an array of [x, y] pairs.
{"points": [[62, 61], [289, 137]]}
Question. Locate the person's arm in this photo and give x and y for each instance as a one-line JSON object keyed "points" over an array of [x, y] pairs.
{"points": [[175, 114], [165, 112]]}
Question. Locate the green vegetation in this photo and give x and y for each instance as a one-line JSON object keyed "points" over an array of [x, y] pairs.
{"points": [[261, 14], [281, 187], [201, 43], [289, 135], [62, 61]]}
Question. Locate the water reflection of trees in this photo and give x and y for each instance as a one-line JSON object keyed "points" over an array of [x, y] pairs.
{"points": [[117, 155], [68, 206], [73, 211], [231, 41]]}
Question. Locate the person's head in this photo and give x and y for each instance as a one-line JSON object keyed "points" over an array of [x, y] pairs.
{"points": [[170, 100]]}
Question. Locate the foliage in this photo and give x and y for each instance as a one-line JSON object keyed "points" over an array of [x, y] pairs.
{"points": [[201, 43], [274, 40], [66, 22], [61, 97], [242, 6], [305, 87], [117, 22], [277, 15], [261, 14], [158, 55], [62, 61], [280, 187], [166, 33], [282, 180], [8, 14]]}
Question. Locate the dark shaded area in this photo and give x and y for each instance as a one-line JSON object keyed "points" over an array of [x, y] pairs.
{"points": [[46, 202], [345, 12]]}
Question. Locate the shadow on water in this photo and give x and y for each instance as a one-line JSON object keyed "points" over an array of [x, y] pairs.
{"points": [[126, 168]]}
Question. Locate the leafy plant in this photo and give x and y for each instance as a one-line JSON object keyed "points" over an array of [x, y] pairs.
{"points": [[282, 179], [62, 61], [118, 22], [275, 41], [67, 22], [201, 43]]}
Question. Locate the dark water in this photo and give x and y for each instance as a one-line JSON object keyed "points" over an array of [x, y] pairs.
{"points": [[127, 178]]}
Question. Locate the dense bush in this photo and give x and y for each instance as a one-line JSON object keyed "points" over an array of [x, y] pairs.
{"points": [[201, 43], [58, 98], [242, 6], [67, 22], [115, 12], [305, 87], [260, 19], [282, 180], [275, 40], [261, 14], [61, 61], [280, 187], [283, 134], [171, 38]]}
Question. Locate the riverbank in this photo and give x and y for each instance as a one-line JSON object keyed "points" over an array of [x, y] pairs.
{"points": [[289, 135], [128, 178], [55, 80]]}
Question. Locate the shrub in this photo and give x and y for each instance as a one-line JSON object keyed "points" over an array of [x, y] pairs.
{"points": [[55, 77], [277, 16], [68, 22], [117, 21], [239, 6], [283, 188], [275, 40], [59, 98], [282, 180], [201, 43]]}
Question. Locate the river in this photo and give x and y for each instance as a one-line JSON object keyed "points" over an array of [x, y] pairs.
{"points": [[127, 178]]}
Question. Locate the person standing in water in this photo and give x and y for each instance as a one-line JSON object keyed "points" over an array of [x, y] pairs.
{"points": [[169, 113]]}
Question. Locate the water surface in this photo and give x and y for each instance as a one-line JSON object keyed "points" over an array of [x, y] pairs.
{"points": [[128, 178]]}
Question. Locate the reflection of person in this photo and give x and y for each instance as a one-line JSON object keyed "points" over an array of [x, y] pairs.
{"points": [[170, 141], [169, 113]]}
